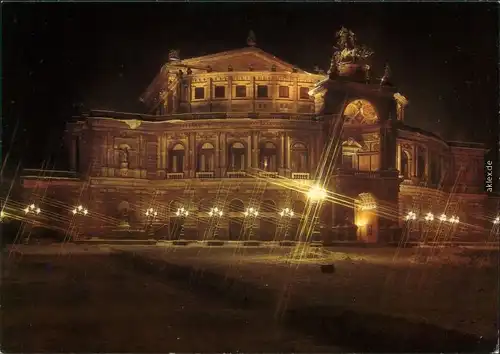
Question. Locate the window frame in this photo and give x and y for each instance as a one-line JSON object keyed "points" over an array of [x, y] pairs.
{"points": [[259, 87], [236, 87], [306, 90], [195, 93], [285, 88], [216, 87]]}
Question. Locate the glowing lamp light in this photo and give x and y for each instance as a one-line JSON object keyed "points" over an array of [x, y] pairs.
{"points": [[411, 216], [497, 220], [215, 212], [32, 208], [182, 212], [429, 217], [287, 212], [151, 212], [443, 217], [251, 212], [316, 193], [454, 219], [80, 210]]}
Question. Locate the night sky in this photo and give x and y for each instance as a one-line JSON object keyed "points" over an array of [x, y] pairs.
{"points": [[59, 58]]}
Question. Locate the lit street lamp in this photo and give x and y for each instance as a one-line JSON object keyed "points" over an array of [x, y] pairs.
{"points": [[411, 216], [497, 220], [215, 216], [150, 218], [182, 214], [251, 212], [429, 217], [33, 209], [317, 193], [80, 210], [443, 217], [151, 213], [454, 219], [286, 213], [215, 212], [250, 215]]}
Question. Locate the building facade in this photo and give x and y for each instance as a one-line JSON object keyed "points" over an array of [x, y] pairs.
{"points": [[249, 134]]}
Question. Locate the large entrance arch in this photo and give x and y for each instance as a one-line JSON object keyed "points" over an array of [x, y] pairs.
{"points": [[268, 220], [366, 218], [236, 209]]}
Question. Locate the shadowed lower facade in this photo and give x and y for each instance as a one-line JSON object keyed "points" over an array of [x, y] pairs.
{"points": [[243, 129]]}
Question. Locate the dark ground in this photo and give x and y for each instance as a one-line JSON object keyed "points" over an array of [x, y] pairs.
{"points": [[78, 298], [92, 303]]}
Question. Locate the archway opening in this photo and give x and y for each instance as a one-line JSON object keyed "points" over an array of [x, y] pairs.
{"points": [[236, 157], [206, 158], [268, 159], [366, 218], [300, 158], [177, 155]]}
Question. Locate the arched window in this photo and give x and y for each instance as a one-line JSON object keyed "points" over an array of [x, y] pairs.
{"points": [[300, 158], [360, 112], [237, 157], [268, 160], [405, 164], [206, 158], [177, 155]]}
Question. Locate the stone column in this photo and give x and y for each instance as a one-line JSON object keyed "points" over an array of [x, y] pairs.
{"points": [[281, 154], [166, 141], [192, 155], [398, 157], [217, 161], [249, 151], [382, 151], [223, 153], [288, 147], [255, 150], [414, 169], [230, 93]]}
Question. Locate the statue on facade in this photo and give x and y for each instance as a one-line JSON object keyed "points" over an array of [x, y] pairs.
{"points": [[386, 79], [251, 39], [347, 50], [123, 155], [173, 55]]}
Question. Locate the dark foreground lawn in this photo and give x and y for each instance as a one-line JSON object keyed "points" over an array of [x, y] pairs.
{"points": [[89, 302], [76, 298]]}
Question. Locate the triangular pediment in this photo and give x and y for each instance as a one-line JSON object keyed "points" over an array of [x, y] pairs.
{"points": [[241, 60]]}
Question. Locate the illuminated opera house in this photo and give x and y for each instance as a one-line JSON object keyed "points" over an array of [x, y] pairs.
{"points": [[243, 145]]}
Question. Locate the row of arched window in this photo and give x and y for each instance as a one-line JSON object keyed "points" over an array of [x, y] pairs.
{"points": [[237, 158]]}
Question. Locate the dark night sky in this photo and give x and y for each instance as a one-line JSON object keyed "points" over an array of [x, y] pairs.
{"points": [[57, 56]]}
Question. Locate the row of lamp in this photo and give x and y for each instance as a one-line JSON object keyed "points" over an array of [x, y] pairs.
{"points": [[430, 217]]}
